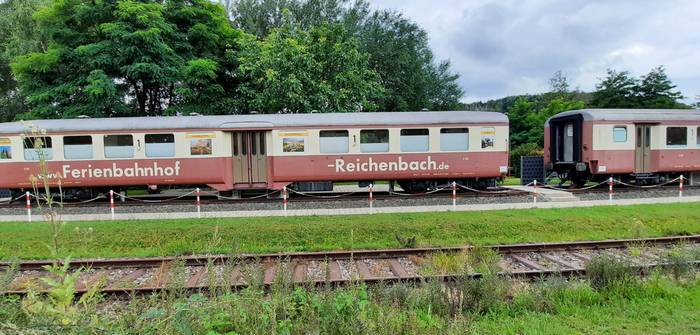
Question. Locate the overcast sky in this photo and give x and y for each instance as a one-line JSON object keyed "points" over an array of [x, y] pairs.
{"points": [[509, 47]]}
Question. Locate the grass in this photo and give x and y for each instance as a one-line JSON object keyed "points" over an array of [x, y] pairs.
{"points": [[314, 233], [493, 305], [657, 308]]}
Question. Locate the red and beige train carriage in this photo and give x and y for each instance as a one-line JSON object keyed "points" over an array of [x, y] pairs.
{"points": [[640, 145], [246, 152]]}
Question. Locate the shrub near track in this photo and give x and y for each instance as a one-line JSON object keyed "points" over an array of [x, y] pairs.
{"points": [[314, 233]]}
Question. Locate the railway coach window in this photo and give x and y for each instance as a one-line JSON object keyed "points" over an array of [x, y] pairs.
{"points": [[676, 136], [454, 139], [415, 140], [334, 141], [35, 147], [374, 140], [160, 145], [620, 134], [77, 147], [119, 146]]}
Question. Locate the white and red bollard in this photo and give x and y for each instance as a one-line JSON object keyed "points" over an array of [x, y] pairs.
{"points": [[284, 199], [29, 206], [610, 189], [680, 188], [111, 203], [454, 195], [534, 198], [371, 198], [199, 205]]}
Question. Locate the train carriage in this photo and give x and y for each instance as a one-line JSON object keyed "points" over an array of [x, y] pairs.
{"points": [[638, 145], [257, 152]]}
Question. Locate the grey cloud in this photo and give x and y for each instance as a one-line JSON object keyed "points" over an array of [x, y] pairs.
{"points": [[512, 47]]}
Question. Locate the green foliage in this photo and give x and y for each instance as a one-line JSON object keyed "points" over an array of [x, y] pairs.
{"points": [[97, 64], [293, 70], [406, 242], [653, 90], [607, 272], [60, 307], [397, 47], [527, 118], [18, 35]]}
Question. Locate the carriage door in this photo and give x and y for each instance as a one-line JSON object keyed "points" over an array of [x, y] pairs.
{"points": [[642, 153], [249, 158], [569, 142]]}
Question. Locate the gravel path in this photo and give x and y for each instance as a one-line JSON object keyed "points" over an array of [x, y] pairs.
{"points": [[300, 202]]}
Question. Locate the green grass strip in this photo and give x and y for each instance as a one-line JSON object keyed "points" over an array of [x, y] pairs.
{"points": [[315, 233]]}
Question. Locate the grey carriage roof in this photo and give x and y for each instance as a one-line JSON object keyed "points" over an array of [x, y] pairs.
{"points": [[643, 115], [259, 121]]}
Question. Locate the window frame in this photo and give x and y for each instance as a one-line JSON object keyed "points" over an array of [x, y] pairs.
{"points": [[105, 146], [321, 137], [455, 130], [626, 134], [92, 146], [388, 140], [685, 138], [164, 135], [426, 135], [46, 148]]}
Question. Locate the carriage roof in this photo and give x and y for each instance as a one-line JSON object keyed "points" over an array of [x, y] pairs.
{"points": [[637, 115], [255, 121]]}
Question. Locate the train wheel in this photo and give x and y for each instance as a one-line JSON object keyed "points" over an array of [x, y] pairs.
{"points": [[415, 186]]}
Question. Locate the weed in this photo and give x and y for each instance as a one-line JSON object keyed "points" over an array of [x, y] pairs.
{"points": [[8, 275], [679, 262], [636, 249], [60, 308], [406, 242], [485, 260], [606, 272], [445, 263]]}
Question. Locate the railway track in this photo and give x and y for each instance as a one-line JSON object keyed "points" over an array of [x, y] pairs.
{"points": [[148, 275]]}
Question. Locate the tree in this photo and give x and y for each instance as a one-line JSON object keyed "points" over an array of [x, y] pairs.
{"points": [[397, 47], [130, 57], [295, 71], [527, 118], [617, 90], [559, 84], [655, 90], [18, 35], [399, 52]]}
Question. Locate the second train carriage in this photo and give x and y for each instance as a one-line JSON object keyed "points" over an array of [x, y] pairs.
{"points": [[638, 145], [419, 150]]}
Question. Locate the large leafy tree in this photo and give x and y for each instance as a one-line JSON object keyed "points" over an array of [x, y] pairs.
{"points": [[130, 58], [294, 70], [398, 48], [616, 90], [653, 90], [18, 35]]}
